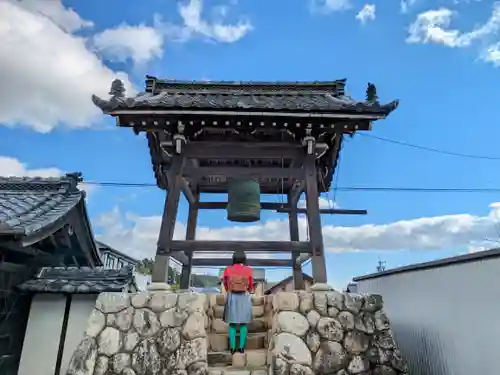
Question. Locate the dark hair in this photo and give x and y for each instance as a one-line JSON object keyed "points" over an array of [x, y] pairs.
{"points": [[239, 257]]}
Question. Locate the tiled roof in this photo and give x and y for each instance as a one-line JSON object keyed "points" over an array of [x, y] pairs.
{"points": [[83, 280], [28, 205], [277, 97]]}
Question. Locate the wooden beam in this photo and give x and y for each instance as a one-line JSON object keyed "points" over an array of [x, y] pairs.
{"points": [[298, 279], [244, 150], [186, 190], [239, 172], [185, 280], [223, 205], [331, 211], [9, 267], [224, 262], [230, 246], [314, 221], [294, 195], [162, 259]]}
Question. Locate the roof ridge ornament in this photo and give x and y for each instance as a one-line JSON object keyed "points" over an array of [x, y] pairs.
{"points": [[117, 90], [371, 93]]}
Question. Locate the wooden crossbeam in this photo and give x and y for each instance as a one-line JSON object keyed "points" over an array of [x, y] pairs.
{"points": [[224, 262], [332, 211], [244, 150], [230, 246], [223, 205], [239, 172]]}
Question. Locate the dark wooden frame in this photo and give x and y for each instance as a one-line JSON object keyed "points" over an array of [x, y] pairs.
{"points": [[182, 176]]}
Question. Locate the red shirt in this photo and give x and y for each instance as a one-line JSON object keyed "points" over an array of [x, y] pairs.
{"points": [[238, 269]]}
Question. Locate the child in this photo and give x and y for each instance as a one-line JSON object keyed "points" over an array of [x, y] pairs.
{"points": [[238, 282]]}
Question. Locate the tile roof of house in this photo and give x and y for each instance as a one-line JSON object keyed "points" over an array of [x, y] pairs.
{"points": [[245, 96], [31, 204], [83, 280], [272, 285], [106, 248]]}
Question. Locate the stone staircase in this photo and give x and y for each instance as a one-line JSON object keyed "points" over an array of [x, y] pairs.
{"points": [[254, 360]]}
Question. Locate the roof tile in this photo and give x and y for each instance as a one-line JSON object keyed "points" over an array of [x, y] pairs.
{"points": [[28, 205], [83, 280]]}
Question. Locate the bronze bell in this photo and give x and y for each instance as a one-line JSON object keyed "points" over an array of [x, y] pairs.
{"points": [[243, 201]]}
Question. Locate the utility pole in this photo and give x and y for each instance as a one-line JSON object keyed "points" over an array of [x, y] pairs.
{"points": [[381, 266]]}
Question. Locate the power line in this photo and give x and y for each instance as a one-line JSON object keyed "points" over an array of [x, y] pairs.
{"points": [[340, 188], [429, 149]]}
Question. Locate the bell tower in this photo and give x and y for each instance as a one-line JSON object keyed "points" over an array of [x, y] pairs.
{"points": [[246, 140]]}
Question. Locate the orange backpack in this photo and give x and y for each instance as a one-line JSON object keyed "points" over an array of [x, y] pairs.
{"points": [[238, 283]]}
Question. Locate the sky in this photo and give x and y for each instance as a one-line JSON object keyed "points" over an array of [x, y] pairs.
{"points": [[441, 58]]}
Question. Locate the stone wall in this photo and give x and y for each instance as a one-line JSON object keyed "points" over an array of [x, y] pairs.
{"points": [[328, 332], [148, 333]]}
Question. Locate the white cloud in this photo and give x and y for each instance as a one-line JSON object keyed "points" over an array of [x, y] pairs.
{"points": [[433, 27], [12, 167], [191, 13], [324, 203], [405, 5], [492, 54], [65, 18], [139, 43], [137, 235], [142, 43], [48, 74], [329, 6], [367, 13]]}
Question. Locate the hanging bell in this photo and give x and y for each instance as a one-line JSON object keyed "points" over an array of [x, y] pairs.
{"points": [[243, 201]]}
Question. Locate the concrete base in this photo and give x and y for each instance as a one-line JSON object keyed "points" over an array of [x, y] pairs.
{"points": [[158, 287]]}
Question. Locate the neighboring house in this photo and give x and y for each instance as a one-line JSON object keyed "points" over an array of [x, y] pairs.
{"points": [[444, 313], [43, 222], [259, 278], [286, 285], [63, 299], [114, 259]]}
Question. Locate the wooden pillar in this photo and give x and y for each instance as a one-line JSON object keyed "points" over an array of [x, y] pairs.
{"points": [[298, 280], [314, 220], [190, 235], [160, 268]]}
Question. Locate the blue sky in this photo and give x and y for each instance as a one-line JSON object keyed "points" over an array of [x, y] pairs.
{"points": [[438, 57]]}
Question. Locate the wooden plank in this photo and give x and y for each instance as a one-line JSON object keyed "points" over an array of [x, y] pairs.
{"points": [[188, 194], [298, 279], [230, 246], [223, 205], [244, 150], [185, 280], [332, 211], [314, 221], [162, 259], [9, 267], [239, 172], [224, 262]]}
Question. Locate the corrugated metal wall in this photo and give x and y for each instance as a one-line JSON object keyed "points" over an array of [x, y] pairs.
{"points": [[446, 320]]}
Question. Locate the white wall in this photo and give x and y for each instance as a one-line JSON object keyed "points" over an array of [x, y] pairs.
{"points": [[446, 320], [79, 313], [41, 343]]}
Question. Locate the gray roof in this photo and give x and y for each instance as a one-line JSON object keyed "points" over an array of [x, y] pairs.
{"points": [[83, 280], [105, 248], [465, 258], [29, 205], [324, 97]]}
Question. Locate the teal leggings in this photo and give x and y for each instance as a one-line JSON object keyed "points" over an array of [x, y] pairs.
{"points": [[243, 335]]}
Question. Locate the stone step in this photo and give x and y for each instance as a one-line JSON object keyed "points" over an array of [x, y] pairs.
{"points": [[257, 325], [218, 311], [252, 358], [230, 370], [220, 300], [220, 342]]}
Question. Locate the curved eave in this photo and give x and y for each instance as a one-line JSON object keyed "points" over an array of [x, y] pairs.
{"points": [[131, 106]]}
